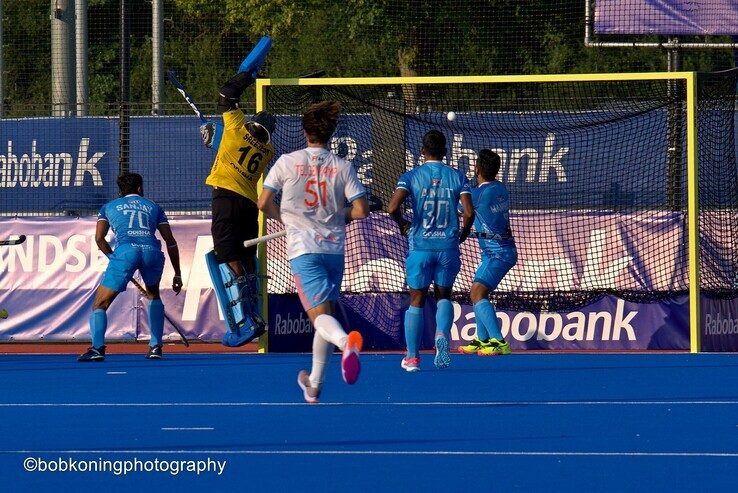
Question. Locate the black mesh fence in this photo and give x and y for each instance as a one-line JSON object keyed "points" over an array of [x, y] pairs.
{"points": [[718, 183]]}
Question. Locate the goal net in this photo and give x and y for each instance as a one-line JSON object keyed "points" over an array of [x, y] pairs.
{"points": [[597, 168]]}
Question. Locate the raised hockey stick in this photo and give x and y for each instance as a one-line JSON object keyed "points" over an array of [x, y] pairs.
{"points": [[178, 85]]}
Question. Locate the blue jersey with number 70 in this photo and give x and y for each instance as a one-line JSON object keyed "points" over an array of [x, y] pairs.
{"points": [[434, 189], [133, 219]]}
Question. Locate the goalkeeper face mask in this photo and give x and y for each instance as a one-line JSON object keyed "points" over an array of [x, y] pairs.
{"points": [[266, 121]]}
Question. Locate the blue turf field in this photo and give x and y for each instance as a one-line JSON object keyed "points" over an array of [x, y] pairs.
{"points": [[527, 422]]}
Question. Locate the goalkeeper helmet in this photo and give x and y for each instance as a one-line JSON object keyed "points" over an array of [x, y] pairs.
{"points": [[266, 120]]}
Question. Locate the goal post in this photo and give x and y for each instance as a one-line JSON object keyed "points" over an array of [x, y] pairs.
{"points": [[619, 123]]}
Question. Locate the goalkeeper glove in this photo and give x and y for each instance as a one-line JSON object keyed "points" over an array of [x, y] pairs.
{"points": [[207, 132]]}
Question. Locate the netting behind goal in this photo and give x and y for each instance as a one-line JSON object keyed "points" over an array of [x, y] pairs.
{"points": [[597, 173]]}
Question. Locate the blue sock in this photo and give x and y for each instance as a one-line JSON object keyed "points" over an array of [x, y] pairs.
{"points": [[413, 330], [98, 325], [485, 312], [482, 333], [156, 321], [444, 318]]}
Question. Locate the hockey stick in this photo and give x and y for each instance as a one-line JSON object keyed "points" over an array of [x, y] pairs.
{"points": [[262, 239], [376, 205], [171, 322], [16, 241], [313, 75], [178, 85]]}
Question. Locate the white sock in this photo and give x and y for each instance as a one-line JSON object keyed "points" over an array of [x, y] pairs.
{"points": [[322, 351], [329, 328]]}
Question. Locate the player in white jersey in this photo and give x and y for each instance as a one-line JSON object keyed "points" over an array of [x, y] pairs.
{"points": [[315, 186]]}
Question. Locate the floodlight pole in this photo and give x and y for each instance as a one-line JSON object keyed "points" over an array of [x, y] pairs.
{"points": [[157, 52], [62, 58], [81, 50], [124, 109]]}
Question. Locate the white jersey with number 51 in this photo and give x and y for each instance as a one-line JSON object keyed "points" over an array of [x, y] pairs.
{"points": [[315, 184]]}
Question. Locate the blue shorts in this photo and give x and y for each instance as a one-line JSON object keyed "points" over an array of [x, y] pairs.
{"points": [[424, 267], [494, 267], [318, 278], [126, 259]]}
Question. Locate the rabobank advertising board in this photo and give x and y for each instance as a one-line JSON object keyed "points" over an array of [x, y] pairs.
{"points": [[57, 165], [47, 285], [68, 165]]}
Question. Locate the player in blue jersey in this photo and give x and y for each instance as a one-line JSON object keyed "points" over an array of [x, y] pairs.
{"points": [[434, 190], [499, 254], [134, 220]]}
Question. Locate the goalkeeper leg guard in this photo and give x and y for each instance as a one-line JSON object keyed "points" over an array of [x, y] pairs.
{"points": [[237, 299]]}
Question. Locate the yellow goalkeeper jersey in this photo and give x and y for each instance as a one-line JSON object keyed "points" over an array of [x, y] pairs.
{"points": [[241, 158]]}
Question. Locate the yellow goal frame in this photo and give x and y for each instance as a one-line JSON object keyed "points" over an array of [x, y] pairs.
{"points": [[690, 79]]}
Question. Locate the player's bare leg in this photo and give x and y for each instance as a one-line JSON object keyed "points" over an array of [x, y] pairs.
{"points": [[330, 333]]}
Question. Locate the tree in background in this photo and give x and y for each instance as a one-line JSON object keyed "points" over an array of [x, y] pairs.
{"points": [[205, 41]]}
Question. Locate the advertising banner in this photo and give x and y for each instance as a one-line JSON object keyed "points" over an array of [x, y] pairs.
{"points": [[666, 17], [719, 329], [47, 285], [57, 164], [609, 324], [68, 165]]}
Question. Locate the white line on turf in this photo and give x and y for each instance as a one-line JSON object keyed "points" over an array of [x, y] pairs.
{"points": [[682, 402], [554, 453], [117, 372], [190, 428]]}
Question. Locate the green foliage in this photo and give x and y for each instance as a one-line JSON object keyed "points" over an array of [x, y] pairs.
{"points": [[205, 41]]}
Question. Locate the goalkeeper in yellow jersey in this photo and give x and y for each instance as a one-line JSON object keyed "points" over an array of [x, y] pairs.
{"points": [[244, 150]]}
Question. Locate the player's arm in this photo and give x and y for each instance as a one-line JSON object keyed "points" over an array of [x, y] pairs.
{"points": [[173, 250], [467, 215], [395, 209], [273, 183], [268, 205], [359, 209], [230, 92], [355, 192], [101, 230]]}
